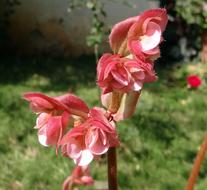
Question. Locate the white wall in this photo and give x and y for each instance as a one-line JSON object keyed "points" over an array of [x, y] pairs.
{"points": [[46, 26]]}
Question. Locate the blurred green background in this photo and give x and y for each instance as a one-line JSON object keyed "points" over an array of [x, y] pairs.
{"points": [[158, 144]]}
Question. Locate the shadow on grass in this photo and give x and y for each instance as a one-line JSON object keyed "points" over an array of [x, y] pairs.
{"points": [[61, 72], [64, 73]]}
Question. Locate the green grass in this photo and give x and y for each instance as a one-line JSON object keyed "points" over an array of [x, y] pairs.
{"points": [[158, 144]]}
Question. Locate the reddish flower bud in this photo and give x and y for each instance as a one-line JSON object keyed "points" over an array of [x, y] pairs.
{"points": [[80, 176]]}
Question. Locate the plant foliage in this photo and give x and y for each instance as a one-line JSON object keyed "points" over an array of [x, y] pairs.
{"points": [[193, 12]]}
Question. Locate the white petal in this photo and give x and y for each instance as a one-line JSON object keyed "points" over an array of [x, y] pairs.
{"points": [[85, 158], [137, 86], [152, 39], [42, 139]]}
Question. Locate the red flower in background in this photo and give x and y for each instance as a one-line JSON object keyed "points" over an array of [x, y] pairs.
{"points": [[194, 81]]}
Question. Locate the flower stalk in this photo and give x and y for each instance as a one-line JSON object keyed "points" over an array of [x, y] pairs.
{"points": [[112, 169], [197, 165], [115, 101], [84, 133]]}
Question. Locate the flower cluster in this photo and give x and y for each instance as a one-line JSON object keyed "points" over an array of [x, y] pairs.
{"points": [[83, 134], [135, 43], [67, 122]]}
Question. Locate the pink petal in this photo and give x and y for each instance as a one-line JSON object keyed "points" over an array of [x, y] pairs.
{"points": [[41, 120], [42, 137], [68, 183], [138, 75], [85, 158], [53, 125], [91, 137], [152, 37], [135, 47], [131, 64], [102, 63], [109, 67], [96, 145], [74, 149], [73, 133], [98, 114], [86, 180], [150, 77], [146, 66], [65, 119], [74, 104], [154, 52], [145, 34], [106, 99], [100, 120], [99, 148], [51, 132], [103, 125], [137, 85], [119, 33], [103, 137], [116, 85], [39, 102], [107, 89], [120, 78], [156, 15]]}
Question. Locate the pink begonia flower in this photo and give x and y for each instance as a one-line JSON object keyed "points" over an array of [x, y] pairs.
{"points": [[51, 128], [91, 138], [79, 176], [194, 81], [54, 115], [122, 74], [140, 35]]}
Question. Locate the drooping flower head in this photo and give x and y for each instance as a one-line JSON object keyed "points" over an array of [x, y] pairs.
{"points": [[135, 43], [140, 35], [54, 114], [91, 138], [123, 74], [79, 176]]}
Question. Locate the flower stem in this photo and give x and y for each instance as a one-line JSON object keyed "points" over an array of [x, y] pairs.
{"points": [[115, 101], [112, 169], [123, 49], [197, 165]]}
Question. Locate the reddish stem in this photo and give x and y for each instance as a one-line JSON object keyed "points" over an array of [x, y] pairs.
{"points": [[115, 101], [197, 165], [112, 169]]}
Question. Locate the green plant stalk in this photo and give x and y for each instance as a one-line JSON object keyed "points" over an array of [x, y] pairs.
{"points": [[96, 53], [197, 165]]}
